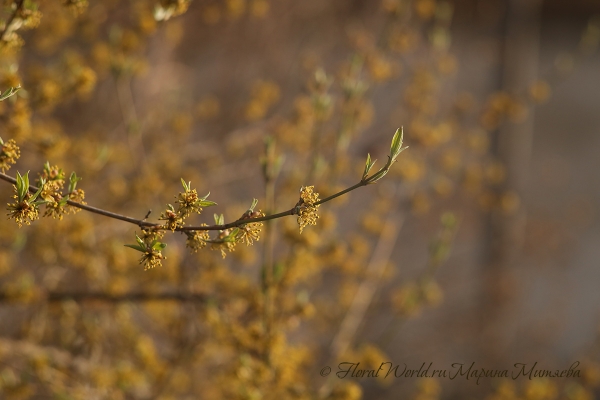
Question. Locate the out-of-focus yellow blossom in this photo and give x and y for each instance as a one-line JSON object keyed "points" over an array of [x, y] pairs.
{"points": [[443, 186], [510, 202], [259, 8], [450, 160], [447, 64], [76, 6], [473, 177], [407, 299], [49, 92], [211, 14], [208, 108], [166, 9], [393, 6], [9, 154], [465, 102], [495, 173], [235, 8], [487, 200], [425, 9], [380, 68], [540, 389], [478, 141], [540, 91], [421, 202], [264, 95], [410, 168], [85, 81], [428, 389], [404, 40], [181, 123]]}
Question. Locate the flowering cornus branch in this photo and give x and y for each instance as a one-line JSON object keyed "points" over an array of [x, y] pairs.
{"points": [[245, 229]]}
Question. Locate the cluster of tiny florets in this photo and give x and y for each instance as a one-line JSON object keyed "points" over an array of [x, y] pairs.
{"points": [[51, 194], [152, 259], [22, 211], [250, 232], [53, 175], [150, 235], [77, 196], [197, 240], [173, 219], [222, 246], [188, 203], [307, 209]]}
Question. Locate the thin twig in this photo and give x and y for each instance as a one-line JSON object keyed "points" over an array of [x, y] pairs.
{"points": [[144, 224]]}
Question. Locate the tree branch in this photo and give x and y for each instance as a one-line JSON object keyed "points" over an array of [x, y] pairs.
{"points": [[144, 224]]}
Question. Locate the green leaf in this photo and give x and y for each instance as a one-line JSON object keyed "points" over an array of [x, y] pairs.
{"points": [[397, 141], [73, 179], [9, 92], [219, 219], [377, 176], [37, 193], [232, 236], [368, 165], [206, 203], [254, 203], [26, 182], [19, 186], [158, 246], [396, 147], [136, 247], [186, 186], [140, 241], [204, 198]]}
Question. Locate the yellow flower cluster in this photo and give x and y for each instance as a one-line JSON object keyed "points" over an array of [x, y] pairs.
{"points": [[264, 95], [223, 244], [307, 209], [151, 257], [196, 240], [188, 203], [250, 232], [22, 211]]}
